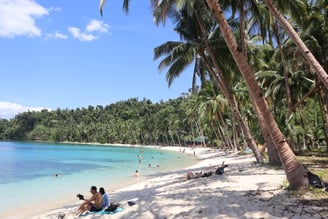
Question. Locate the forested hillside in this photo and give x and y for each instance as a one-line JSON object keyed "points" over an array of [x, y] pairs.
{"points": [[129, 121], [174, 122]]}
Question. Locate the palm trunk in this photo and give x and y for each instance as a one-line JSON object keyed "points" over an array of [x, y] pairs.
{"points": [[272, 151], [302, 99], [274, 159], [179, 141], [312, 61], [242, 28], [225, 133], [323, 97], [295, 171], [285, 68], [219, 133], [219, 79]]}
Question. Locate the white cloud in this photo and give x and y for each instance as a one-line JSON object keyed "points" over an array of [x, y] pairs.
{"points": [[97, 25], [89, 32], [56, 35], [17, 18], [9, 110], [80, 35]]}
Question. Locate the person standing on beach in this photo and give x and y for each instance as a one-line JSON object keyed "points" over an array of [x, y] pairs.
{"points": [[92, 204]]}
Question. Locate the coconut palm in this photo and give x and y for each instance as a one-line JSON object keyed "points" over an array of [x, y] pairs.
{"points": [[196, 35], [212, 107], [295, 172], [312, 61]]}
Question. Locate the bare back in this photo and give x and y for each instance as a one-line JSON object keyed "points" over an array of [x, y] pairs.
{"points": [[96, 199]]}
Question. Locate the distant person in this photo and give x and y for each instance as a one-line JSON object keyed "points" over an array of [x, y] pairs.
{"points": [[105, 199], [157, 165], [136, 174], [191, 175], [92, 204], [139, 158], [149, 165]]}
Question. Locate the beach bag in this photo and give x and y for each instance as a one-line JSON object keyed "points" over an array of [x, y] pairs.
{"points": [[315, 181], [112, 207], [220, 170]]}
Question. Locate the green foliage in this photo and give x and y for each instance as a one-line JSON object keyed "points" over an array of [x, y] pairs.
{"points": [[130, 121], [206, 113]]}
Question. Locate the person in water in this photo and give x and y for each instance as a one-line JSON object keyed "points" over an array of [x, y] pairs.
{"points": [[105, 199], [136, 174], [92, 204], [139, 158]]}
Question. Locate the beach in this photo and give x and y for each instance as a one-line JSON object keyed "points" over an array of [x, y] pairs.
{"points": [[244, 190]]}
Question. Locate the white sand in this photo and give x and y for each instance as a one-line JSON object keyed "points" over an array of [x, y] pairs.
{"points": [[245, 190]]}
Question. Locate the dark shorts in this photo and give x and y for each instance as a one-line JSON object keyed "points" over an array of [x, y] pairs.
{"points": [[94, 209]]}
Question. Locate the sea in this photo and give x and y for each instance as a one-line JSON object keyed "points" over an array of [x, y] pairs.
{"points": [[33, 173]]}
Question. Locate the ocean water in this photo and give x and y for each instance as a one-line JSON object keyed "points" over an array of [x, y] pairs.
{"points": [[34, 173]]}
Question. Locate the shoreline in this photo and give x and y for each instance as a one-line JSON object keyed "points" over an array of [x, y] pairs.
{"points": [[245, 190], [34, 209], [171, 195]]}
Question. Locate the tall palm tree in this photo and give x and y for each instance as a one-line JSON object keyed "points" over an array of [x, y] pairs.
{"points": [[211, 109], [312, 61], [197, 35], [253, 22], [295, 171]]}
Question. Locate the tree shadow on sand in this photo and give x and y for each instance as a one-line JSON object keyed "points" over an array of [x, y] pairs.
{"points": [[175, 197]]}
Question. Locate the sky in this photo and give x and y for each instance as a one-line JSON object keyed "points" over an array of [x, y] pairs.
{"points": [[63, 54]]}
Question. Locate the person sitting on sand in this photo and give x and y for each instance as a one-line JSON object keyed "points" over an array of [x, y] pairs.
{"points": [[136, 174], [191, 175], [92, 204], [105, 199]]}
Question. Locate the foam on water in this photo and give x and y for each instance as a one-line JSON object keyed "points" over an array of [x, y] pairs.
{"points": [[28, 170]]}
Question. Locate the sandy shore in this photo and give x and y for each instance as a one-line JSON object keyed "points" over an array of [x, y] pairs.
{"points": [[245, 190]]}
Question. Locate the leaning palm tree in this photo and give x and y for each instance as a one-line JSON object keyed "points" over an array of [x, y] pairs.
{"points": [[295, 171], [196, 35], [312, 61]]}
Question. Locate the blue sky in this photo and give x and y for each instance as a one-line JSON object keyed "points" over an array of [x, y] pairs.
{"points": [[63, 54]]}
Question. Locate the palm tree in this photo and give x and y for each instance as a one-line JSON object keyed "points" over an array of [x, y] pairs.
{"points": [[255, 25], [312, 61], [295, 172], [193, 34], [211, 109]]}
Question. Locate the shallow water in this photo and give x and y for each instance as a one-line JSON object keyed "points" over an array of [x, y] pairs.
{"points": [[28, 170]]}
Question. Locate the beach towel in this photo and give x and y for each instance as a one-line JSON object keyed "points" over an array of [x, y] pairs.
{"points": [[119, 209], [102, 212]]}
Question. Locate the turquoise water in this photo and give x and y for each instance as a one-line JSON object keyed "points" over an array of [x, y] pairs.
{"points": [[32, 173]]}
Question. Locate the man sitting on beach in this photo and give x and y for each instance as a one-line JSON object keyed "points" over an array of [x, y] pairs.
{"points": [[93, 204]]}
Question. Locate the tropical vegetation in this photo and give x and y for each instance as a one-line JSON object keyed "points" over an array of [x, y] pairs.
{"points": [[261, 71]]}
